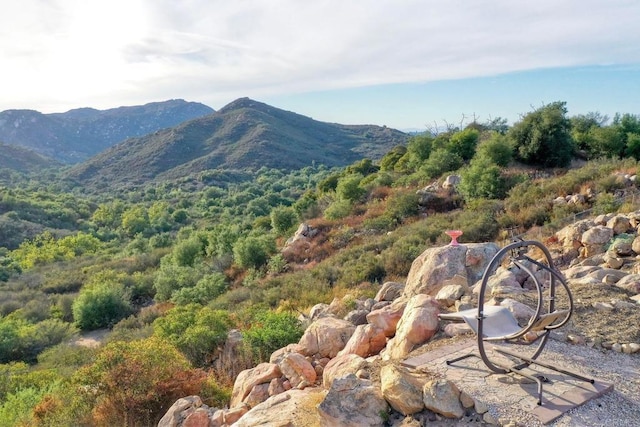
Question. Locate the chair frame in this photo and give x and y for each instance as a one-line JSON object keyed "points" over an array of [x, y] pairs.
{"points": [[542, 322]]}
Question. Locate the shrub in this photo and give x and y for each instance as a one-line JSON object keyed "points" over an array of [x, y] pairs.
{"points": [[100, 305], [338, 209], [194, 330], [271, 331], [133, 383]]}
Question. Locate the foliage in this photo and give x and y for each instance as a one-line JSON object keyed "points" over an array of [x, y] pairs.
{"points": [[482, 179], [464, 142], [497, 148], [101, 303], [270, 331], [283, 219], [253, 252], [195, 330], [132, 383], [23, 341], [543, 136], [440, 161], [45, 248]]}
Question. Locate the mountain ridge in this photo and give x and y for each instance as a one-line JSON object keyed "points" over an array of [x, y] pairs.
{"points": [[245, 134], [79, 134]]}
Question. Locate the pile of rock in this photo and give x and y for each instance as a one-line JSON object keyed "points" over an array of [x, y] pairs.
{"points": [[345, 370]]}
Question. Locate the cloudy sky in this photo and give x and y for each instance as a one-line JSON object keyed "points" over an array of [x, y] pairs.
{"points": [[402, 63]]}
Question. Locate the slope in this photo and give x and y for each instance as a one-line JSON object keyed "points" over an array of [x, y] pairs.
{"points": [[245, 134], [78, 134]]}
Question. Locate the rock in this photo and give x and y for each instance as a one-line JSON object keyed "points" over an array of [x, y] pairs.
{"points": [[630, 282], [249, 378], [621, 247], [635, 245], [570, 237], [614, 262], [289, 409], [435, 268], [276, 386], [366, 341], [353, 402], [619, 224], [297, 370], [449, 294], [231, 358], [418, 324], [279, 354], [596, 236], [602, 306], [389, 291], [559, 201], [636, 298], [357, 317], [522, 312], [341, 366], [617, 347], [387, 318], [631, 348], [326, 337], [258, 394], [457, 329], [443, 397], [402, 389], [318, 310], [623, 304], [179, 411], [477, 258], [579, 271], [451, 181]]}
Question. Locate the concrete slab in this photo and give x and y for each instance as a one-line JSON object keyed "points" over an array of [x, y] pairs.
{"points": [[561, 393]]}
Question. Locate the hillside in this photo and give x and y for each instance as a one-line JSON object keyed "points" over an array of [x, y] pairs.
{"points": [[23, 160], [245, 134], [78, 134]]}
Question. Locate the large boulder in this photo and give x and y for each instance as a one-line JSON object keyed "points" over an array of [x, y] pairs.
{"points": [[249, 378], [443, 397], [389, 291], [402, 389], [181, 410], [298, 370], [294, 408], [367, 340], [387, 317], [418, 324], [435, 268], [630, 282], [448, 265], [619, 224], [353, 402], [341, 366], [570, 237], [326, 337]]}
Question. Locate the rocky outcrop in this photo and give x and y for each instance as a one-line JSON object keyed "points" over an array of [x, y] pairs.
{"points": [[448, 265]]}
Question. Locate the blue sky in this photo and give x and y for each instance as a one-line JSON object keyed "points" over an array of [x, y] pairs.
{"points": [[402, 63]]}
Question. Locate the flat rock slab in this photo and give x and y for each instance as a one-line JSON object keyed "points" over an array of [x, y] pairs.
{"points": [[511, 395]]}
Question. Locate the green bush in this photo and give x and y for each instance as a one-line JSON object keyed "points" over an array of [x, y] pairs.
{"points": [[101, 305], [271, 331], [195, 330]]}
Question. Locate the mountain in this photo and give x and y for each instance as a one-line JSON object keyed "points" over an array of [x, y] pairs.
{"points": [[245, 134], [24, 160], [78, 134]]}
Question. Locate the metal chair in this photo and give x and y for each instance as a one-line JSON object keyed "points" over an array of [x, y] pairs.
{"points": [[497, 323]]}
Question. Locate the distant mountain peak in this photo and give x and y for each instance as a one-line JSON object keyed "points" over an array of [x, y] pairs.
{"points": [[80, 133]]}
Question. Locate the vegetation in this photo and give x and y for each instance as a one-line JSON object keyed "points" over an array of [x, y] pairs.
{"points": [[170, 267]]}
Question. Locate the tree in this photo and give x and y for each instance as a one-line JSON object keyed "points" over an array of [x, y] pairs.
{"points": [[543, 136], [440, 161], [135, 220], [464, 142], [252, 252], [349, 188], [482, 179], [270, 331], [283, 218], [497, 148]]}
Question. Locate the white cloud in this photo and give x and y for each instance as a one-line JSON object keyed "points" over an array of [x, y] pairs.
{"points": [[64, 54]]}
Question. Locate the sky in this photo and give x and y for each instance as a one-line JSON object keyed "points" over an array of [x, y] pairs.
{"points": [[407, 64]]}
